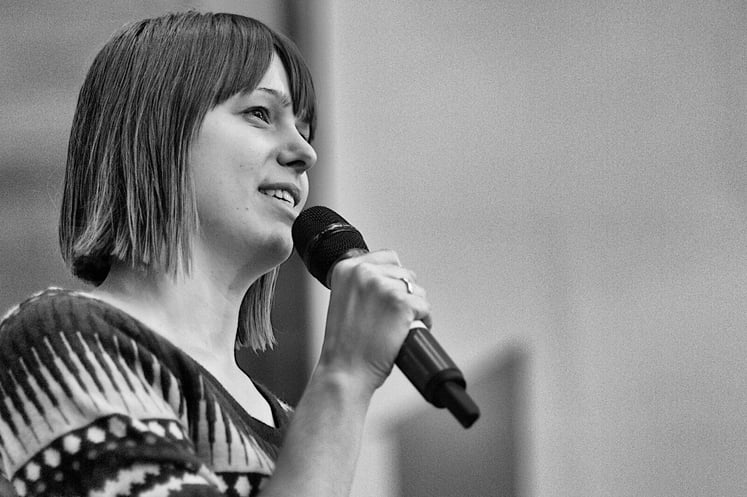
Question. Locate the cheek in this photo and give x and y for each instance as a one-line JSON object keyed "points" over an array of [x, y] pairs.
{"points": [[223, 167], [222, 143], [219, 187], [212, 202]]}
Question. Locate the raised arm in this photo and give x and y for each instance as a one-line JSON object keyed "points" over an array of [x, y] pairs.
{"points": [[369, 316]]}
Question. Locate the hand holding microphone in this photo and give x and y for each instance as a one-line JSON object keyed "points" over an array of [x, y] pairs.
{"points": [[373, 295], [369, 315]]}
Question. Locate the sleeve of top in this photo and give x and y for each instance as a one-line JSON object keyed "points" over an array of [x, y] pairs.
{"points": [[87, 408]]}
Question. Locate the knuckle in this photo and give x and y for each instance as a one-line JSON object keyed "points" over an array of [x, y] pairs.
{"points": [[397, 301], [365, 271], [390, 256], [344, 266], [366, 276]]}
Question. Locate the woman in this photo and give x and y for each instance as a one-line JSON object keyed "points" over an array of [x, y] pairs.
{"points": [[186, 169]]}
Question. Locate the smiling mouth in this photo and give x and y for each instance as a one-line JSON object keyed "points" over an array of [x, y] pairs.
{"points": [[283, 195]]}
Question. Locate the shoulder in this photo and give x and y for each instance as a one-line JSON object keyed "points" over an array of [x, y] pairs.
{"points": [[87, 383], [73, 346], [33, 303], [57, 312], [58, 324], [41, 315], [53, 308]]}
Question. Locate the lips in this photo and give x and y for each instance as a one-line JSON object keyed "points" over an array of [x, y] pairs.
{"points": [[286, 193]]}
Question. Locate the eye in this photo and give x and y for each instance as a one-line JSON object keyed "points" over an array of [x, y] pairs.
{"points": [[260, 113]]}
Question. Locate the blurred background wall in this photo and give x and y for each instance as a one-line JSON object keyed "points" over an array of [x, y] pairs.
{"points": [[567, 179]]}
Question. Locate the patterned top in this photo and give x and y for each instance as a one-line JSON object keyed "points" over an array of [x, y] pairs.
{"points": [[93, 402]]}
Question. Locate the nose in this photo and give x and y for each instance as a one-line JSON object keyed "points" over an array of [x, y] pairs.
{"points": [[297, 152]]}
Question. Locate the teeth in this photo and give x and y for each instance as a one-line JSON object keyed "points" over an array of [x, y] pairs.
{"points": [[281, 194]]}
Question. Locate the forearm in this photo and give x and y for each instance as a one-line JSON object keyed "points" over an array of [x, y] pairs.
{"points": [[369, 317], [321, 447]]}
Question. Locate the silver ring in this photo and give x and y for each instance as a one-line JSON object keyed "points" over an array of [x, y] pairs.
{"points": [[408, 283]]}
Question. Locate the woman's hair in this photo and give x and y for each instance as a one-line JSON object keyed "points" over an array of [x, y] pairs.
{"points": [[128, 191]]}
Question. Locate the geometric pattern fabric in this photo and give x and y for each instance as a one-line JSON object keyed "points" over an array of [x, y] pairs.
{"points": [[92, 402]]}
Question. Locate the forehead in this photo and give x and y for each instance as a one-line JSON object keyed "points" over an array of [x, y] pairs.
{"points": [[276, 77]]}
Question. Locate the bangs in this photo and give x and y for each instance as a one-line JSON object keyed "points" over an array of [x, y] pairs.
{"points": [[237, 52], [240, 51]]}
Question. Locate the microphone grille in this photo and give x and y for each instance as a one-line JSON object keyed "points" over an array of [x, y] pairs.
{"points": [[321, 237]]}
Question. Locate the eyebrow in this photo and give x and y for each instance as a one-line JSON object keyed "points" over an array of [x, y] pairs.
{"points": [[284, 99]]}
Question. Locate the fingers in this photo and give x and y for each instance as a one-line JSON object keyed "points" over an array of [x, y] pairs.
{"points": [[384, 263], [385, 258], [381, 271]]}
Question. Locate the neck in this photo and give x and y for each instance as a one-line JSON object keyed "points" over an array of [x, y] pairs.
{"points": [[198, 312]]}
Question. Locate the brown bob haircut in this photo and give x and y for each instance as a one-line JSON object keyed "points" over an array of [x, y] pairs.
{"points": [[128, 193]]}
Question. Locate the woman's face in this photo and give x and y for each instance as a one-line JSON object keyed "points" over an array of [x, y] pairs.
{"points": [[249, 162]]}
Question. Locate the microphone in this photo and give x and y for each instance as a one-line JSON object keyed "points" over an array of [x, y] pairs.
{"points": [[322, 238]]}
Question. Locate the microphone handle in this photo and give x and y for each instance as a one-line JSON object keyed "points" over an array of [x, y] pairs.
{"points": [[430, 369]]}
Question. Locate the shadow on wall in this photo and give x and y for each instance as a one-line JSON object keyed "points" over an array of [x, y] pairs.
{"points": [[437, 458]]}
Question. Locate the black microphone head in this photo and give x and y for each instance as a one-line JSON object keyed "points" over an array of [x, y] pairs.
{"points": [[322, 237]]}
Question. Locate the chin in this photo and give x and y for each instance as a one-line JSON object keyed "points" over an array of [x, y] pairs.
{"points": [[279, 248]]}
